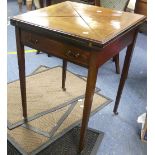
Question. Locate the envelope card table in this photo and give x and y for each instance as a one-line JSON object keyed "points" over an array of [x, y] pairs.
{"points": [[83, 34]]}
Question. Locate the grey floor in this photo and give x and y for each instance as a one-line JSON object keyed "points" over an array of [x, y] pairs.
{"points": [[122, 131]]}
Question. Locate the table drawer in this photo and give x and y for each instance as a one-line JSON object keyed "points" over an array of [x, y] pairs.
{"points": [[56, 48]]}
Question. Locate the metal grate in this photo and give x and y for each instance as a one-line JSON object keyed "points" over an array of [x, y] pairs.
{"points": [[68, 144]]}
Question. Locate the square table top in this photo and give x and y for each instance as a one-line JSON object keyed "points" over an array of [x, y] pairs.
{"points": [[77, 20]]}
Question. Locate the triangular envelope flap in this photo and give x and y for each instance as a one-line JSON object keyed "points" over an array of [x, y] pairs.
{"points": [[104, 22], [64, 9]]}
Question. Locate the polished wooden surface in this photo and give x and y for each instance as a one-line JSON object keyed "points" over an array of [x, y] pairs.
{"points": [[81, 20], [85, 35]]}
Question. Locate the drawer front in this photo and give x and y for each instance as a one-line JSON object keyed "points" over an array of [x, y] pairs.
{"points": [[56, 48]]}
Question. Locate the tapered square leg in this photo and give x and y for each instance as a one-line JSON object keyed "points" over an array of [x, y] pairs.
{"points": [[21, 64], [90, 88], [64, 68], [124, 72]]}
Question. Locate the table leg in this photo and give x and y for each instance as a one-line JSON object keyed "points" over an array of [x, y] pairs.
{"points": [[64, 74], [116, 60], [21, 64], [90, 88], [124, 72], [48, 2], [41, 3]]}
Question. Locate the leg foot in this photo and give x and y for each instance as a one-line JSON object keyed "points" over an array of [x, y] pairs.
{"points": [[116, 113], [38, 52], [64, 89], [49, 55]]}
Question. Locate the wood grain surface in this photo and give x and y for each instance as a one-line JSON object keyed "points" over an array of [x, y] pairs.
{"points": [[81, 20]]}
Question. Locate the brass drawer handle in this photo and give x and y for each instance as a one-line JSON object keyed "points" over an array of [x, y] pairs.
{"points": [[72, 54]]}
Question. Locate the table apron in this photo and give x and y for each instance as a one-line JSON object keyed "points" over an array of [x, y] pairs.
{"points": [[114, 47], [76, 55]]}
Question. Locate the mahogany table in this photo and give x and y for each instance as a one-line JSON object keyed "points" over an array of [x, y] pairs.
{"points": [[82, 34]]}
